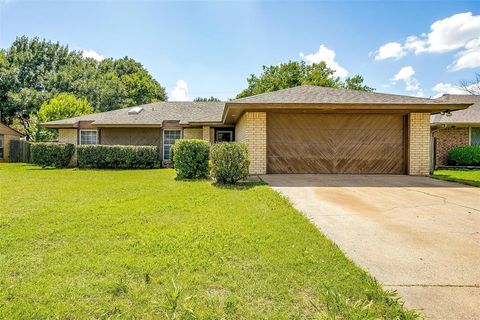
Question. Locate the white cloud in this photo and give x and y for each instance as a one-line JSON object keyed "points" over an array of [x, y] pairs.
{"points": [[87, 53], [328, 56], [411, 84], [391, 50], [453, 32], [468, 58], [443, 88], [180, 92], [458, 33]]}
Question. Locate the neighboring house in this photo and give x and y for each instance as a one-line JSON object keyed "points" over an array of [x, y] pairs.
{"points": [[459, 128], [7, 134], [305, 129]]}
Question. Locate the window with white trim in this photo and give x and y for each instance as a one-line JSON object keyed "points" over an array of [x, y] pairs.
{"points": [[88, 136], [169, 138], [475, 136]]}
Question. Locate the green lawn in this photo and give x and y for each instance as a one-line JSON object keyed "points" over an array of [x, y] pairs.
{"points": [[470, 177], [138, 244]]}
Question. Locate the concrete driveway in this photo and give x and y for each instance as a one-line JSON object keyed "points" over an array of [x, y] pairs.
{"points": [[415, 234]]}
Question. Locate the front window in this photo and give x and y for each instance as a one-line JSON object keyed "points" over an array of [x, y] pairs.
{"points": [[1, 146], [224, 136], [88, 136], [169, 138], [475, 136]]}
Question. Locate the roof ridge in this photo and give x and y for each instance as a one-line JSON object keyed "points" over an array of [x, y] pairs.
{"points": [[334, 88]]}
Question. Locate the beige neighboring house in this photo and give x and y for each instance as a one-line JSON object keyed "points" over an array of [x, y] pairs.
{"points": [[7, 134], [456, 129], [306, 129]]}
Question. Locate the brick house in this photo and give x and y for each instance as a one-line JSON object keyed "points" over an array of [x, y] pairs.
{"points": [[7, 134], [461, 127], [306, 129]]}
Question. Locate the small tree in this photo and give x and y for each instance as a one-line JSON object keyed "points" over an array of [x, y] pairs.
{"points": [[230, 162], [64, 105], [472, 87]]}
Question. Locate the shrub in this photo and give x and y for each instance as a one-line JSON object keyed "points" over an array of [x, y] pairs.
{"points": [[230, 161], [190, 158], [464, 156], [118, 157], [51, 154]]}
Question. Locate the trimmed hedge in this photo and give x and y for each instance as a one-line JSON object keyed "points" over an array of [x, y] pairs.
{"points": [[230, 162], [51, 154], [118, 157], [190, 158], [464, 156]]}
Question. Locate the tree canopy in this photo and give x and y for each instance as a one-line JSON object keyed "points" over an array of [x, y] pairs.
{"points": [[211, 99], [297, 73], [33, 71]]}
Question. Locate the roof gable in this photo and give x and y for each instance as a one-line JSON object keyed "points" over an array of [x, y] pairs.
{"points": [[4, 129]]}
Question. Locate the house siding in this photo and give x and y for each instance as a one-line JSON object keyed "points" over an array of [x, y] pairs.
{"points": [[68, 136], [131, 136], [251, 129], [419, 144], [447, 139]]}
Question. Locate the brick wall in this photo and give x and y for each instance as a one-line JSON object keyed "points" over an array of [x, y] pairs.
{"points": [[447, 139], [208, 134], [67, 136], [251, 129], [193, 133], [419, 144]]}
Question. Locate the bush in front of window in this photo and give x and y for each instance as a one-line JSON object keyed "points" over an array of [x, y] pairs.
{"points": [[118, 157], [464, 156], [190, 158], [51, 154], [229, 162]]}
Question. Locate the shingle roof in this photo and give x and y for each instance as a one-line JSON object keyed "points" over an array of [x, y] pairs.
{"points": [[321, 95], [186, 112], [152, 114], [469, 115]]}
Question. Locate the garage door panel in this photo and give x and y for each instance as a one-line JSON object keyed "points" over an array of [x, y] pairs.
{"points": [[335, 143]]}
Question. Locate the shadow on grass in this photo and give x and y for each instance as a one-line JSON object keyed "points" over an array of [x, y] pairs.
{"points": [[449, 178], [242, 185]]}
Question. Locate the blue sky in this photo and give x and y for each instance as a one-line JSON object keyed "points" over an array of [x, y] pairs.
{"points": [[213, 46]]}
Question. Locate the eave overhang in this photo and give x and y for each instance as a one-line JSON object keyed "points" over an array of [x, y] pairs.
{"points": [[233, 111]]}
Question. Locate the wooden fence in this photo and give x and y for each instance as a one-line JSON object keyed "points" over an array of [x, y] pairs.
{"points": [[19, 151]]}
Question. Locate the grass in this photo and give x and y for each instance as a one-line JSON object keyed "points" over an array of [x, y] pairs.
{"points": [[139, 244], [470, 177]]}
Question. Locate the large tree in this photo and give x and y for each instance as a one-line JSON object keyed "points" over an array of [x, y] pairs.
{"points": [[34, 70], [297, 73]]}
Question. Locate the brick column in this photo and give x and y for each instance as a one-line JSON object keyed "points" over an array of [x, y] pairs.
{"points": [[251, 129], [419, 144]]}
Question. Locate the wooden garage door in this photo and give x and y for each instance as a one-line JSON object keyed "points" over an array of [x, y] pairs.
{"points": [[335, 143]]}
